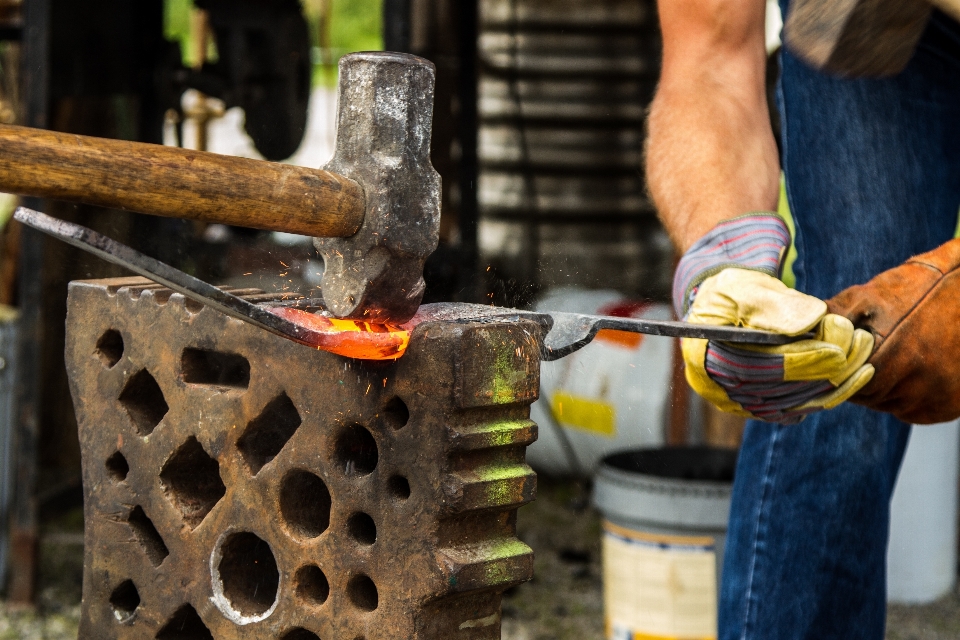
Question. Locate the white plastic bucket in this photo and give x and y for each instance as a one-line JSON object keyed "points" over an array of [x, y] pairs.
{"points": [[665, 514]]}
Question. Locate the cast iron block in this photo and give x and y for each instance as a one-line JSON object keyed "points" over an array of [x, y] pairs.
{"points": [[239, 485]]}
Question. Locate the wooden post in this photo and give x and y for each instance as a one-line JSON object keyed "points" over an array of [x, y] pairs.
{"points": [[678, 429], [23, 517]]}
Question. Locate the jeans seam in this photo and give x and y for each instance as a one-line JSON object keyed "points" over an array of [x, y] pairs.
{"points": [[784, 151], [762, 517]]}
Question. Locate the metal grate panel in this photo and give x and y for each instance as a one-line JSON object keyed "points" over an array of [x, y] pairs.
{"points": [[564, 89]]}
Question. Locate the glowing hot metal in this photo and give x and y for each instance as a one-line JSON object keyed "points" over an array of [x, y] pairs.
{"points": [[350, 338]]}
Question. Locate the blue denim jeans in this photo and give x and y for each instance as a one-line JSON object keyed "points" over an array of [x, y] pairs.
{"points": [[873, 177]]}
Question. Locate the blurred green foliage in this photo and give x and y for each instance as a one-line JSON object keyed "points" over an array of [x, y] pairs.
{"points": [[176, 25], [354, 26]]}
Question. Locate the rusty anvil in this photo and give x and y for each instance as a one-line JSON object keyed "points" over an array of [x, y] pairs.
{"points": [[374, 210]]}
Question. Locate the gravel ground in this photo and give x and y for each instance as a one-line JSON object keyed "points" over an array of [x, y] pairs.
{"points": [[564, 599], [57, 612], [33, 626], [937, 621], [563, 602]]}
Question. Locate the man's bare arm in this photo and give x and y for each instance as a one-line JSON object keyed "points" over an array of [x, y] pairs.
{"points": [[710, 153]]}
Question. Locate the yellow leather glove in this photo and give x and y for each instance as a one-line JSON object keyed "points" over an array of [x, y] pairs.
{"points": [[781, 383]]}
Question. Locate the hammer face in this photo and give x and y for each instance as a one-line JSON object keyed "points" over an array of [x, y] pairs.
{"points": [[383, 142]]}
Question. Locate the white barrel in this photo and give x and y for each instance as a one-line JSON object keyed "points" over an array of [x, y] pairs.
{"points": [[665, 514], [612, 395], [922, 554]]}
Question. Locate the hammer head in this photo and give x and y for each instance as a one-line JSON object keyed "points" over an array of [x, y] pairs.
{"points": [[383, 142]]}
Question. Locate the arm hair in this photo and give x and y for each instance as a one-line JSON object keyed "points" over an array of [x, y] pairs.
{"points": [[710, 150]]}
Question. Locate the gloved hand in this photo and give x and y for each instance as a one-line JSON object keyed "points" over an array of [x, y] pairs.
{"points": [[729, 277], [914, 313]]}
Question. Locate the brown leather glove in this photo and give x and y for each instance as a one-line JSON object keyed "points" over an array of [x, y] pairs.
{"points": [[913, 312]]}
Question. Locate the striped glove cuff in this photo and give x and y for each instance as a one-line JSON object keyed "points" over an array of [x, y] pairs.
{"points": [[755, 241]]}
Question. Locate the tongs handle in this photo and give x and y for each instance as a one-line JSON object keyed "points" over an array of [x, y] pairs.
{"points": [[141, 264]]}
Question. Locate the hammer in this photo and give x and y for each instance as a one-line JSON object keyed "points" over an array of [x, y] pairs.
{"points": [[854, 38], [374, 209]]}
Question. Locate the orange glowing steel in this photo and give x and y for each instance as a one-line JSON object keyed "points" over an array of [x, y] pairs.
{"points": [[351, 338]]}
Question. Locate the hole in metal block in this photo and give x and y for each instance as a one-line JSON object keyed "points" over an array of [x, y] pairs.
{"points": [[198, 366], [144, 401], [312, 585], [399, 487], [299, 634], [148, 536], [356, 451], [362, 528], [117, 467], [193, 306], [125, 599], [248, 574], [305, 503], [110, 348], [268, 433], [185, 625], [397, 413], [191, 480], [162, 296], [363, 593]]}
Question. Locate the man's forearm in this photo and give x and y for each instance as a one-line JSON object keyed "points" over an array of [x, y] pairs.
{"points": [[710, 152]]}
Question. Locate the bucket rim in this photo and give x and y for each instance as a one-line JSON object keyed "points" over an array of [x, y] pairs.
{"points": [[693, 465]]}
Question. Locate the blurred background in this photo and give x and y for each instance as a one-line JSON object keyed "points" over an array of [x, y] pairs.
{"points": [[538, 137]]}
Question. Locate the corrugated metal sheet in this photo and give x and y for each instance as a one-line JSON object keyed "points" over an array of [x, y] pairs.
{"points": [[563, 94]]}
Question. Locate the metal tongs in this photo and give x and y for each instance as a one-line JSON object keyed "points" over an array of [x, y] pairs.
{"points": [[565, 332]]}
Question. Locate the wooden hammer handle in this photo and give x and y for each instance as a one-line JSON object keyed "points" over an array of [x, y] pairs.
{"points": [[178, 183]]}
